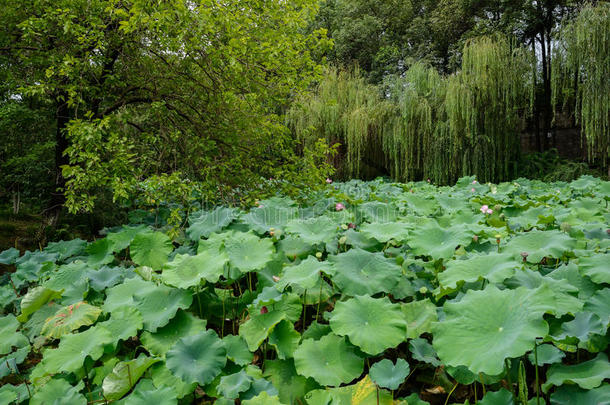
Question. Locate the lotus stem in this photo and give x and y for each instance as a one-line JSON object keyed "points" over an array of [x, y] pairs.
{"points": [[451, 392], [536, 368]]}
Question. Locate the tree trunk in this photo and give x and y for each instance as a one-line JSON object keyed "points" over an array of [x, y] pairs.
{"points": [[57, 200]]}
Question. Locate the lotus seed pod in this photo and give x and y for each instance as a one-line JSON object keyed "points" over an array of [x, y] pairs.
{"points": [[423, 290], [566, 227], [319, 255], [497, 207], [344, 227], [343, 240]]}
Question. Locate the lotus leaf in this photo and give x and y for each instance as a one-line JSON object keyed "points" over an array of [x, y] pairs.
{"points": [[587, 375], [358, 272], [124, 376], [500, 323], [9, 337], [502, 397], [540, 244], [423, 351], [285, 339], [386, 231], [34, 299], [362, 393], [263, 399], [59, 392], [304, 275], [262, 219], [100, 252], [257, 328], [388, 375], [372, 324], [162, 377], [9, 256], [237, 350], [122, 239], [291, 386], [493, 267], [66, 249], [150, 249], [145, 393], [197, 358], [596, 267], [315, 230], [330, 360], [547, 354], [188, 271], [247, 252], [599, 304], [182, 325], [70, 318], [419, 316], [232, 385], [439, 243], [572, 395], [204, 223]]}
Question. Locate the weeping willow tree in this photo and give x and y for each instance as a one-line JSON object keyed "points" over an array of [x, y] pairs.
{"points": [[343, 109], [483, 104], [410, 136], [581, 74]]}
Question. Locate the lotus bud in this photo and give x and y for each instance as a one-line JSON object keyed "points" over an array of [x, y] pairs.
{"points": [[339, 207], [343, 240], [475, 238], [275, 278], [328, 181], [319, 255], [351, 225], [472, 190], [497, 207], [524, 255], [264, 310], [423, 290]]}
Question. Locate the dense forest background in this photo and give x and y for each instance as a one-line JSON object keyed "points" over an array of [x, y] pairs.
{"points": [[111, 105]]}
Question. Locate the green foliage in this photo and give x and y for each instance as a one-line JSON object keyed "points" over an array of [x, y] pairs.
{"points": [[444, 298]]}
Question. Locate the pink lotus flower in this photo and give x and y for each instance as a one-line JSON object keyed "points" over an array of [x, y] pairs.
{"points": [[484, 209], [264, 310], [472, 190], [339, 207], [276, 278], [328, 181], [490, 211], [474, 182]]}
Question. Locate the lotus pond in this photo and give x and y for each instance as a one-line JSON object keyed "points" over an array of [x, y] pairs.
{"points": [[372, 293]]}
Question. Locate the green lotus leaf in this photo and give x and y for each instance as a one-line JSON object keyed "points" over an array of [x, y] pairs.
{"points": [[70, 318], [564, 301], [182, 325], [372, 324], [263, 399], [59, 392], [493, 267], [73, 349], [162, 377], [291, 386], [330, 360], [358, 272], [197, 358], [364, 392], [423, 351], [581, 327], [247, 252], [151, 249], [596, 267], [540, 244], [413, 399], [145, 393], [437, 242], [187, 271], [106, 277], [9, 256], [237, 350], [374, 211], [572, 395], [314, 230], [160, 305], [262, 219], [124, 323], [232, 385], [124, 376], [13, 394], [66, 249], [569, 272], [500, 323], [30, 271], [34, 299], [204, 223], [293, 246], [421, 205], [122, 239], [502, 397], [547, 354], [419, 316], [257, 328], [599, 304], [388, 375], [9, 337], [587, 375], [285, 339], [384, 232], [7, 295], [9, 363], [100, 252], [259, 385], [72, 279], [305, 275], [122, 295]]}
